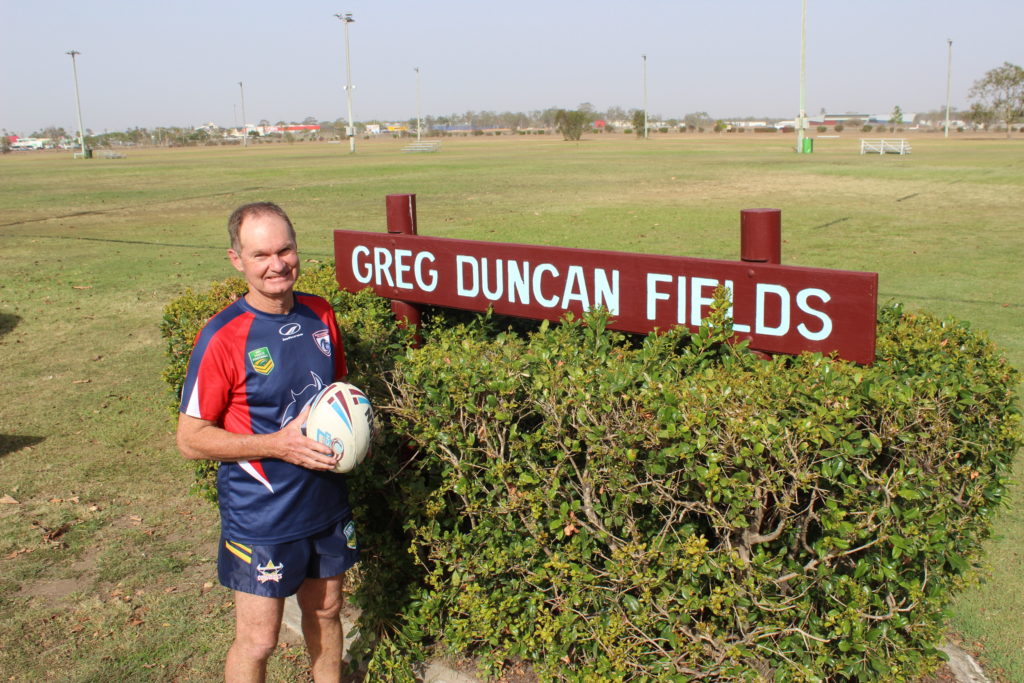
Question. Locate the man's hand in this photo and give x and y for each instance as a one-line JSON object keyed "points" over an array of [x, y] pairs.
{"points": [[295, 447]]}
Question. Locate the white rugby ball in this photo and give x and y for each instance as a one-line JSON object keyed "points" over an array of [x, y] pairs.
{"points": [[341, 417]]}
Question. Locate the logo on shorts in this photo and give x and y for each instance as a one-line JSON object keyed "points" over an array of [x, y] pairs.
{"points": [[323, 341], [269, 572], [261, 360], [350, 535]]}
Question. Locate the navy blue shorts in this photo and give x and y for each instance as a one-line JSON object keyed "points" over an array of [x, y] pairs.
{"points": [[277, 571]]}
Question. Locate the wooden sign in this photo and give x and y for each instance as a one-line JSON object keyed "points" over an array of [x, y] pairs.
{"points": [[780, 309]]}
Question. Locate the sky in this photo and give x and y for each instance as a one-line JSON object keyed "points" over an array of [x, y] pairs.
{"points": [[151, 64]]}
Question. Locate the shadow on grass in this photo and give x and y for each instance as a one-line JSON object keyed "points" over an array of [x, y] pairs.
{"points": [[8, 322], [9, 443]]}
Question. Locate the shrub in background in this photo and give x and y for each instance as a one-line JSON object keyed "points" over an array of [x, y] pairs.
{"points": [[615, 507]]}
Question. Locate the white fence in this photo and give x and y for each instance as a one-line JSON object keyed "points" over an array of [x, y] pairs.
{"points": [[884, 146], [425, 146]]}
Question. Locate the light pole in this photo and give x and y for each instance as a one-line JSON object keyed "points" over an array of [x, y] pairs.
{"points": [[949, 71], [645, 95], [245, 126], [419, 121], [347, 19], [78, 102], [801, 120]]}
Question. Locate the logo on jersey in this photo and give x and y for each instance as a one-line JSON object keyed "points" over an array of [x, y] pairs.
{"points": [[290, 331], [323, 341], [269, 572], [261, 360]]}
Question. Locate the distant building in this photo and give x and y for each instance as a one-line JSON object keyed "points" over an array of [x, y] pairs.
{"points": [[30, 143], [908, 118], [746, 124], [831, 120], [270, 130]]}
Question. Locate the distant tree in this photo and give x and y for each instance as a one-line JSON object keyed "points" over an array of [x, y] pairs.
{"points": [[698, 119], [896, 117], [638, 122], [980, 115], [138, 135], [615, 114], [1001, 91], [52, 132], [570, 123], [513, 120], [548, 117]]}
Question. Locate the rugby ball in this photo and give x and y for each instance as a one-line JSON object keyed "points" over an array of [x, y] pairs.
{"points": [[341, 417]]}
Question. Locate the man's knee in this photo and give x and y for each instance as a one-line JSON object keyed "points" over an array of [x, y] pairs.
{"points": [[255, 646], [257, 624], [321, 599], [322, 610]]}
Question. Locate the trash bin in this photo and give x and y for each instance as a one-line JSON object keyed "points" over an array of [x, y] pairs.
{"points": [[808, 145], [88, 153]]}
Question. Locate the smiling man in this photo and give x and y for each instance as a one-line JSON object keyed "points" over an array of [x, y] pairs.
{"points": [[286, 526]]}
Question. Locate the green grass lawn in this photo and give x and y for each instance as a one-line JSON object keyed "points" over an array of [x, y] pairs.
{"points": [[106, 561]]}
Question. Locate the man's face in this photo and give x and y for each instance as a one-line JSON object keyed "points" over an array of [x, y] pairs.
{"points": [[268, 257]]}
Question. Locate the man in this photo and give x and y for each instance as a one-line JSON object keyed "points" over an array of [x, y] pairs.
{"points": [[286, 527]]}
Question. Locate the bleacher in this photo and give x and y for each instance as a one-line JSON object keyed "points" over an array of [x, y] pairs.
{"points": [[884, 146]]}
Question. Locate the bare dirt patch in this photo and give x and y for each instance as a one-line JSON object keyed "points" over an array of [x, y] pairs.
{"points": [[53, 591]]}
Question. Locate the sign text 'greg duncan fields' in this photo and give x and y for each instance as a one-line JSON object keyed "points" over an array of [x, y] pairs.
{"points": [[780, 309]]}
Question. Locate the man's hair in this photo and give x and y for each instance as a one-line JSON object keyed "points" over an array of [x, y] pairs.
{"points": [[245, 211]]}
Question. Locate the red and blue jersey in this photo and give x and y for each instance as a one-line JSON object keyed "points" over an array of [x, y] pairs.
{"points": [[251, 373]]}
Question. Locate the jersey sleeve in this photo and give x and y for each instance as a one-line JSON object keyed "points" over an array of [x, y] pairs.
{"points": [[213, 371]]}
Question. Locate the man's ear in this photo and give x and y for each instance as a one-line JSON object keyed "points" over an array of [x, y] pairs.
{"points": [[236, 260]]}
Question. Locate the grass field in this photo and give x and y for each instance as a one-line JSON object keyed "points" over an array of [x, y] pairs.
{"points": [[106, 561]]}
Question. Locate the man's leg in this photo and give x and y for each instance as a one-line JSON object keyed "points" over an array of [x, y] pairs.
{"points": [[320, 601], [257, 623]]}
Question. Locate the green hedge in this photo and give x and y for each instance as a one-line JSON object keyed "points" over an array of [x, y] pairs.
{"points": [[613, 507]]}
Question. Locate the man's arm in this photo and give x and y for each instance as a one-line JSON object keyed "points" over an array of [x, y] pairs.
{"points": [[204, 440]]}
